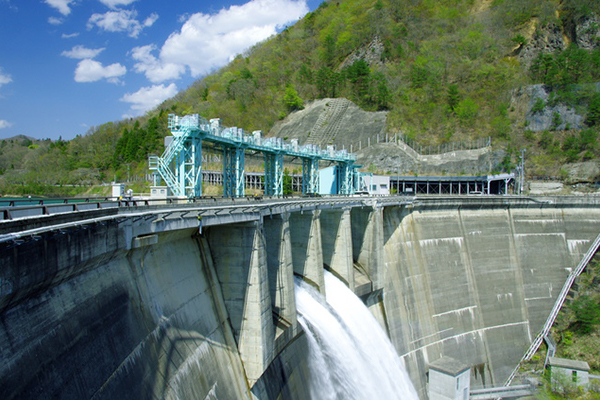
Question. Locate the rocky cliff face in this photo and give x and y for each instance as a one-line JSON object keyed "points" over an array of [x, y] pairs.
{"points": [[584, 33], [345, 125], [552, 116]]}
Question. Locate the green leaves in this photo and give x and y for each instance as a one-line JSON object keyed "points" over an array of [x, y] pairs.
{"points": [[467, 109], [587, 313], [291, 99], [452, 97], [538, 106], [593, 115], [570, 66]]}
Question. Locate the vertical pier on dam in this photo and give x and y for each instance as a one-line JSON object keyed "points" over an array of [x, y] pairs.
{"points": [[336, 236]]}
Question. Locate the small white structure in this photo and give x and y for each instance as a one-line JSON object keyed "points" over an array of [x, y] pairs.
{"points": [[377, 184], [565, 372], [118, 190], [449, 379], [159, 192]]}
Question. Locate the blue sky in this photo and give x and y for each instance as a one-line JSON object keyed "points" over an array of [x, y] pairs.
{"points": [[69, 65]]}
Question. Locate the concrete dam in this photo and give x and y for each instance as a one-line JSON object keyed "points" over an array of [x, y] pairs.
{"points": [[196, 301]]}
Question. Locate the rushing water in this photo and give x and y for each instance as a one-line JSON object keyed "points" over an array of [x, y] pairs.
{"points": [[350, 356]]}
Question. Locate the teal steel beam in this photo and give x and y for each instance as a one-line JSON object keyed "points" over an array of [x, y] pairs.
{"points": [[190, 167], [233, 171], [345, 179], [358, 182], [273, 174], [310, 175]]}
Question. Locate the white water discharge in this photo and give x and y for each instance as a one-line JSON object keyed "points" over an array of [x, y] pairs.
{"points": [[350, 356]]}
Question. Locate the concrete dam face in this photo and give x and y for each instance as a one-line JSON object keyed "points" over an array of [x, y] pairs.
{"points": [[194, 302]]}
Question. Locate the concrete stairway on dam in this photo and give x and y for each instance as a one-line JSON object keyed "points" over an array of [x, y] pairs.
{"points": [[557, 306]]}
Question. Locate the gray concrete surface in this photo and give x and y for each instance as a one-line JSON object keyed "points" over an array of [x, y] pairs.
{"points": [[139, 305]]}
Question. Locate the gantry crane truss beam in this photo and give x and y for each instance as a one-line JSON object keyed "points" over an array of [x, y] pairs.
{"points": [[180, 166]]}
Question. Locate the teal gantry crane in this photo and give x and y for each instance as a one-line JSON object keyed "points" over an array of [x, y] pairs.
{"points": [[180, 166]]}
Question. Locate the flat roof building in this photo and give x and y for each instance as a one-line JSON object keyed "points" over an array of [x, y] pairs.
{"points": [[449, 379], [565, 372]]}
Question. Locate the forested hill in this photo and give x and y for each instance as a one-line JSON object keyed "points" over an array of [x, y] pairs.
{"points": [[445, 70]]}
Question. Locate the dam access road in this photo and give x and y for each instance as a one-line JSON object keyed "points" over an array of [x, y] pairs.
{"points": [[196, 301]]}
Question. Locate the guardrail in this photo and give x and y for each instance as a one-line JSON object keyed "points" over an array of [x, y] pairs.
{"points": [[23, 208], [537, 341], [500, 392], [26, 208]]}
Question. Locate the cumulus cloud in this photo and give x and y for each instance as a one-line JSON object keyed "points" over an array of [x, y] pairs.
{"points": [[55, 21], [69, 35], [91, 71], [5, 124], [149, 97], [155, 70], [116, 3], [121, 21], [209, 41], [4, 78], [63, 6], [80, 52]]}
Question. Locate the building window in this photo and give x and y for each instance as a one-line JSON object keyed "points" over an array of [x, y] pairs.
{"points": [[574, 373]]}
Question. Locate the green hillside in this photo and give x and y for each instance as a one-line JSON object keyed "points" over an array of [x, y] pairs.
{"points": [[444, 70]]}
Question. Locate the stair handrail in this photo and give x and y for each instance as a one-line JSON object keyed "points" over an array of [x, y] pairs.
{"points": [[535, 344]]}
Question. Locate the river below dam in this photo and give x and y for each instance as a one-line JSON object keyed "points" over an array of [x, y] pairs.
{"points": [[350, 356]]}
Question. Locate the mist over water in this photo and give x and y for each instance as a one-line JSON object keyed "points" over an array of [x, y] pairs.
{"points": [[350, 356]]}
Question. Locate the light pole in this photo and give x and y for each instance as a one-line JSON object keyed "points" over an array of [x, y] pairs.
{"points": [[522, 172]]}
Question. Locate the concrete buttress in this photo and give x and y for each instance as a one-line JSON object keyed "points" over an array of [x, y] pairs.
{"points": [[307, 253], [367, 242], [336, 230], [240, 258], [281, 272]]}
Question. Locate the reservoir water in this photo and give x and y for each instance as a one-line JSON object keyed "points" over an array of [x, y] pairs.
{"points": [[350, 356]]}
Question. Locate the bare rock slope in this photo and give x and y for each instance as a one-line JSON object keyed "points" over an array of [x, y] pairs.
{"points": [[342, 123], [331, 121]]}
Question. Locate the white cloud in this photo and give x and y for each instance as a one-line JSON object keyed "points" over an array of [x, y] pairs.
{"points": [[148, 22], [121, 21], [61, 5], [55, 21], [209, 41], [4, 78], [91, 71], [147, 98], [80, 52], [156, 70], [5, 124], [116, 3], [69, 35]]}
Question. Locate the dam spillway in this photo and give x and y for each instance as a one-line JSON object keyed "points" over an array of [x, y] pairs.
{"points": [[138, 304], [350, 355]]}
